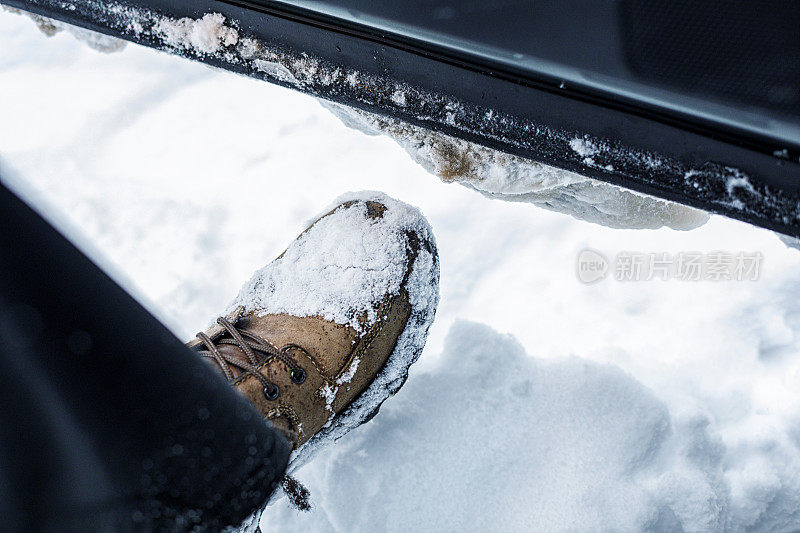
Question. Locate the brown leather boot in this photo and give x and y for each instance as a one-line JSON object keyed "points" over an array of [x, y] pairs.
{"points": [[321, 336]]}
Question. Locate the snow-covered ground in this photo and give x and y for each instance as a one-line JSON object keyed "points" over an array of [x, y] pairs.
{"points": [[540, 402]]}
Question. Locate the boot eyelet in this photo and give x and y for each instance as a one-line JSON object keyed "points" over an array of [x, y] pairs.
{"points": [[298, 376], [271, 394]]}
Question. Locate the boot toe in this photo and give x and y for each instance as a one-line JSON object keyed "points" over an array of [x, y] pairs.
{"points": [[344, 264]]}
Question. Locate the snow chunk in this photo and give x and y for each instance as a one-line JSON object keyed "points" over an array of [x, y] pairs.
{"points": [[347, 377], [586, 149], [399, 98], [328, 393], [507, 177], [583, 147], [738, 181], [207, 35], [275, 70], [50, 27], [790, 242]]}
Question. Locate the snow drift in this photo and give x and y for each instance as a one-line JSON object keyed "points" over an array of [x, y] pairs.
{"points": [[491, 439]]}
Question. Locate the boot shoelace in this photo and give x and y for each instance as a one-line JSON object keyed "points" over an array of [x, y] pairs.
{"points": [[250, 343]]}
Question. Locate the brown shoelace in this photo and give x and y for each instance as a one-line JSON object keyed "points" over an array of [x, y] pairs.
{"points": [[250, 343]]}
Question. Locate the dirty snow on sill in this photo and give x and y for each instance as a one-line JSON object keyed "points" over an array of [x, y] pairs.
{"points": [[507, 177], [341, 266], [207, 36]]}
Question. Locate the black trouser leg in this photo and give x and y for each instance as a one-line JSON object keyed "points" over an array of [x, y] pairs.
{"points": [[107, 422]]}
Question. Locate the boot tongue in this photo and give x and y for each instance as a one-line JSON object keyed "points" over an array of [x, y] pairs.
{"points": [[231, 351]]}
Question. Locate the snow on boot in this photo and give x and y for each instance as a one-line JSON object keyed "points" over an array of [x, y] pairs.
{"points": [[322, 335]]}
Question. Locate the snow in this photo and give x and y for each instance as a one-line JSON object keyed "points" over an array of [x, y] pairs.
{"points": [[539, 403], [586, 149], [329, 393], [736, 181], [791, 242], [276, 70], [399, 98], [583, 147], [347, 377]]}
